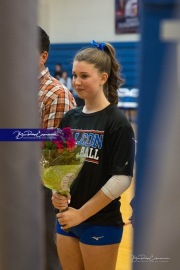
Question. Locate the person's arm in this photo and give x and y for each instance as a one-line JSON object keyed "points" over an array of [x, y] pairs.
{"points": [[54, 111], [73, 217], [114, 187]]}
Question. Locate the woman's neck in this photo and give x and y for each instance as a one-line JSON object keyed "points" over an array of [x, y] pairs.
{"points": [[95, 106]]}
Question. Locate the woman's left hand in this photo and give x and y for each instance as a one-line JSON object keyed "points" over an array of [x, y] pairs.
{"points": [[69, 218]]}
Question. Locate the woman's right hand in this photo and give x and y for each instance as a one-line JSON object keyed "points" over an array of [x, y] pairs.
{"points": [[60, 202]]}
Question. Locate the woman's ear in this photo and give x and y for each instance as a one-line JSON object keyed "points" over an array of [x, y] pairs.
{"points": [[104, 77]]}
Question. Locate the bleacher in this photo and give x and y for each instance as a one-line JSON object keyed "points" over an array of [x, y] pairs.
{"points": [[126, 53]]}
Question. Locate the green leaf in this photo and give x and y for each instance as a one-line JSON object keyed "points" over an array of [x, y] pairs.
{"points": [[54, 146], [48, 144]]}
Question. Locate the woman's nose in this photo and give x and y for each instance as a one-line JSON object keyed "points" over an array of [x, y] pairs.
{"points": [[77, 81]]}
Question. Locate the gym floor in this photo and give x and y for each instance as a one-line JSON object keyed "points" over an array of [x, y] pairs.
{"points": [[124, 261]]}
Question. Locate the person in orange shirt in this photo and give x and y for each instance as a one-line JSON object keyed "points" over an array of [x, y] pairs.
{"points": [[54, 100]]}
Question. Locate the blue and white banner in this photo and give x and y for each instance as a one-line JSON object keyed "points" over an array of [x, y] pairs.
{"points": [[34, 135]]}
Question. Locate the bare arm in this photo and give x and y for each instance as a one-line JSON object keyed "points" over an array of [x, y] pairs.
{"points": [[73, 217], [94, 205], [114, 187]]}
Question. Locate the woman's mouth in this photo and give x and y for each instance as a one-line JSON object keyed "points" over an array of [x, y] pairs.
{"points": [[79, 89]]}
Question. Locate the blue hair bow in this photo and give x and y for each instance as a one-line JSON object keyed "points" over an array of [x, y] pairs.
{"points": [[99, 46]]}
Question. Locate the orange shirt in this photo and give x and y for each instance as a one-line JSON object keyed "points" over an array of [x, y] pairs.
{"points": [[54, 100]]}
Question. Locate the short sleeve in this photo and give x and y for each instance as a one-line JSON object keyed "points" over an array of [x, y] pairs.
{"points": [[121, 145]]}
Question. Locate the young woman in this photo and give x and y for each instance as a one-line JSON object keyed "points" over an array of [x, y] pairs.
{"points": [[107, 140]]}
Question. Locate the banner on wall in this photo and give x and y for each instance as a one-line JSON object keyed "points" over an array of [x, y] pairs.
{"points": [[126, 16]]}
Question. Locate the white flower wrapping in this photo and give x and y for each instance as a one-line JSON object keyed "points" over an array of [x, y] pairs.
{"points": [[58, 173]]}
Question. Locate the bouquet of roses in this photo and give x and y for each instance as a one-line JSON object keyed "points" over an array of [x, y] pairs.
{"points": [[61, 161]]}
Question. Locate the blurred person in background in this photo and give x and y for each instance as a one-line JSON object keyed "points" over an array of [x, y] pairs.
{"points": [[58, 71], [66, 80]]}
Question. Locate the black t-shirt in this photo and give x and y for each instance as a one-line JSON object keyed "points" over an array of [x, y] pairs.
{"points": [[107, 140]]}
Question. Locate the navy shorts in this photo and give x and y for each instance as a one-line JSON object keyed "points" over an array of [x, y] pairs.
{"points": [[95, 235]]}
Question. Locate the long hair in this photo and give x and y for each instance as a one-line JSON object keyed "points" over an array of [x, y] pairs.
{"points": [[104, 61]]}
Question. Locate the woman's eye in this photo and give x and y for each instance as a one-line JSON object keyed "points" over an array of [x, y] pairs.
{"points": [[84, 76]]}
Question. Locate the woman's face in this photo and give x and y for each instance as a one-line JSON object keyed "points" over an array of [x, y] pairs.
{"points": [[87, 81]]}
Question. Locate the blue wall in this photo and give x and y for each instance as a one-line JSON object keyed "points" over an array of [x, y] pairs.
{"points": [[127, 54], [157, 179]]}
